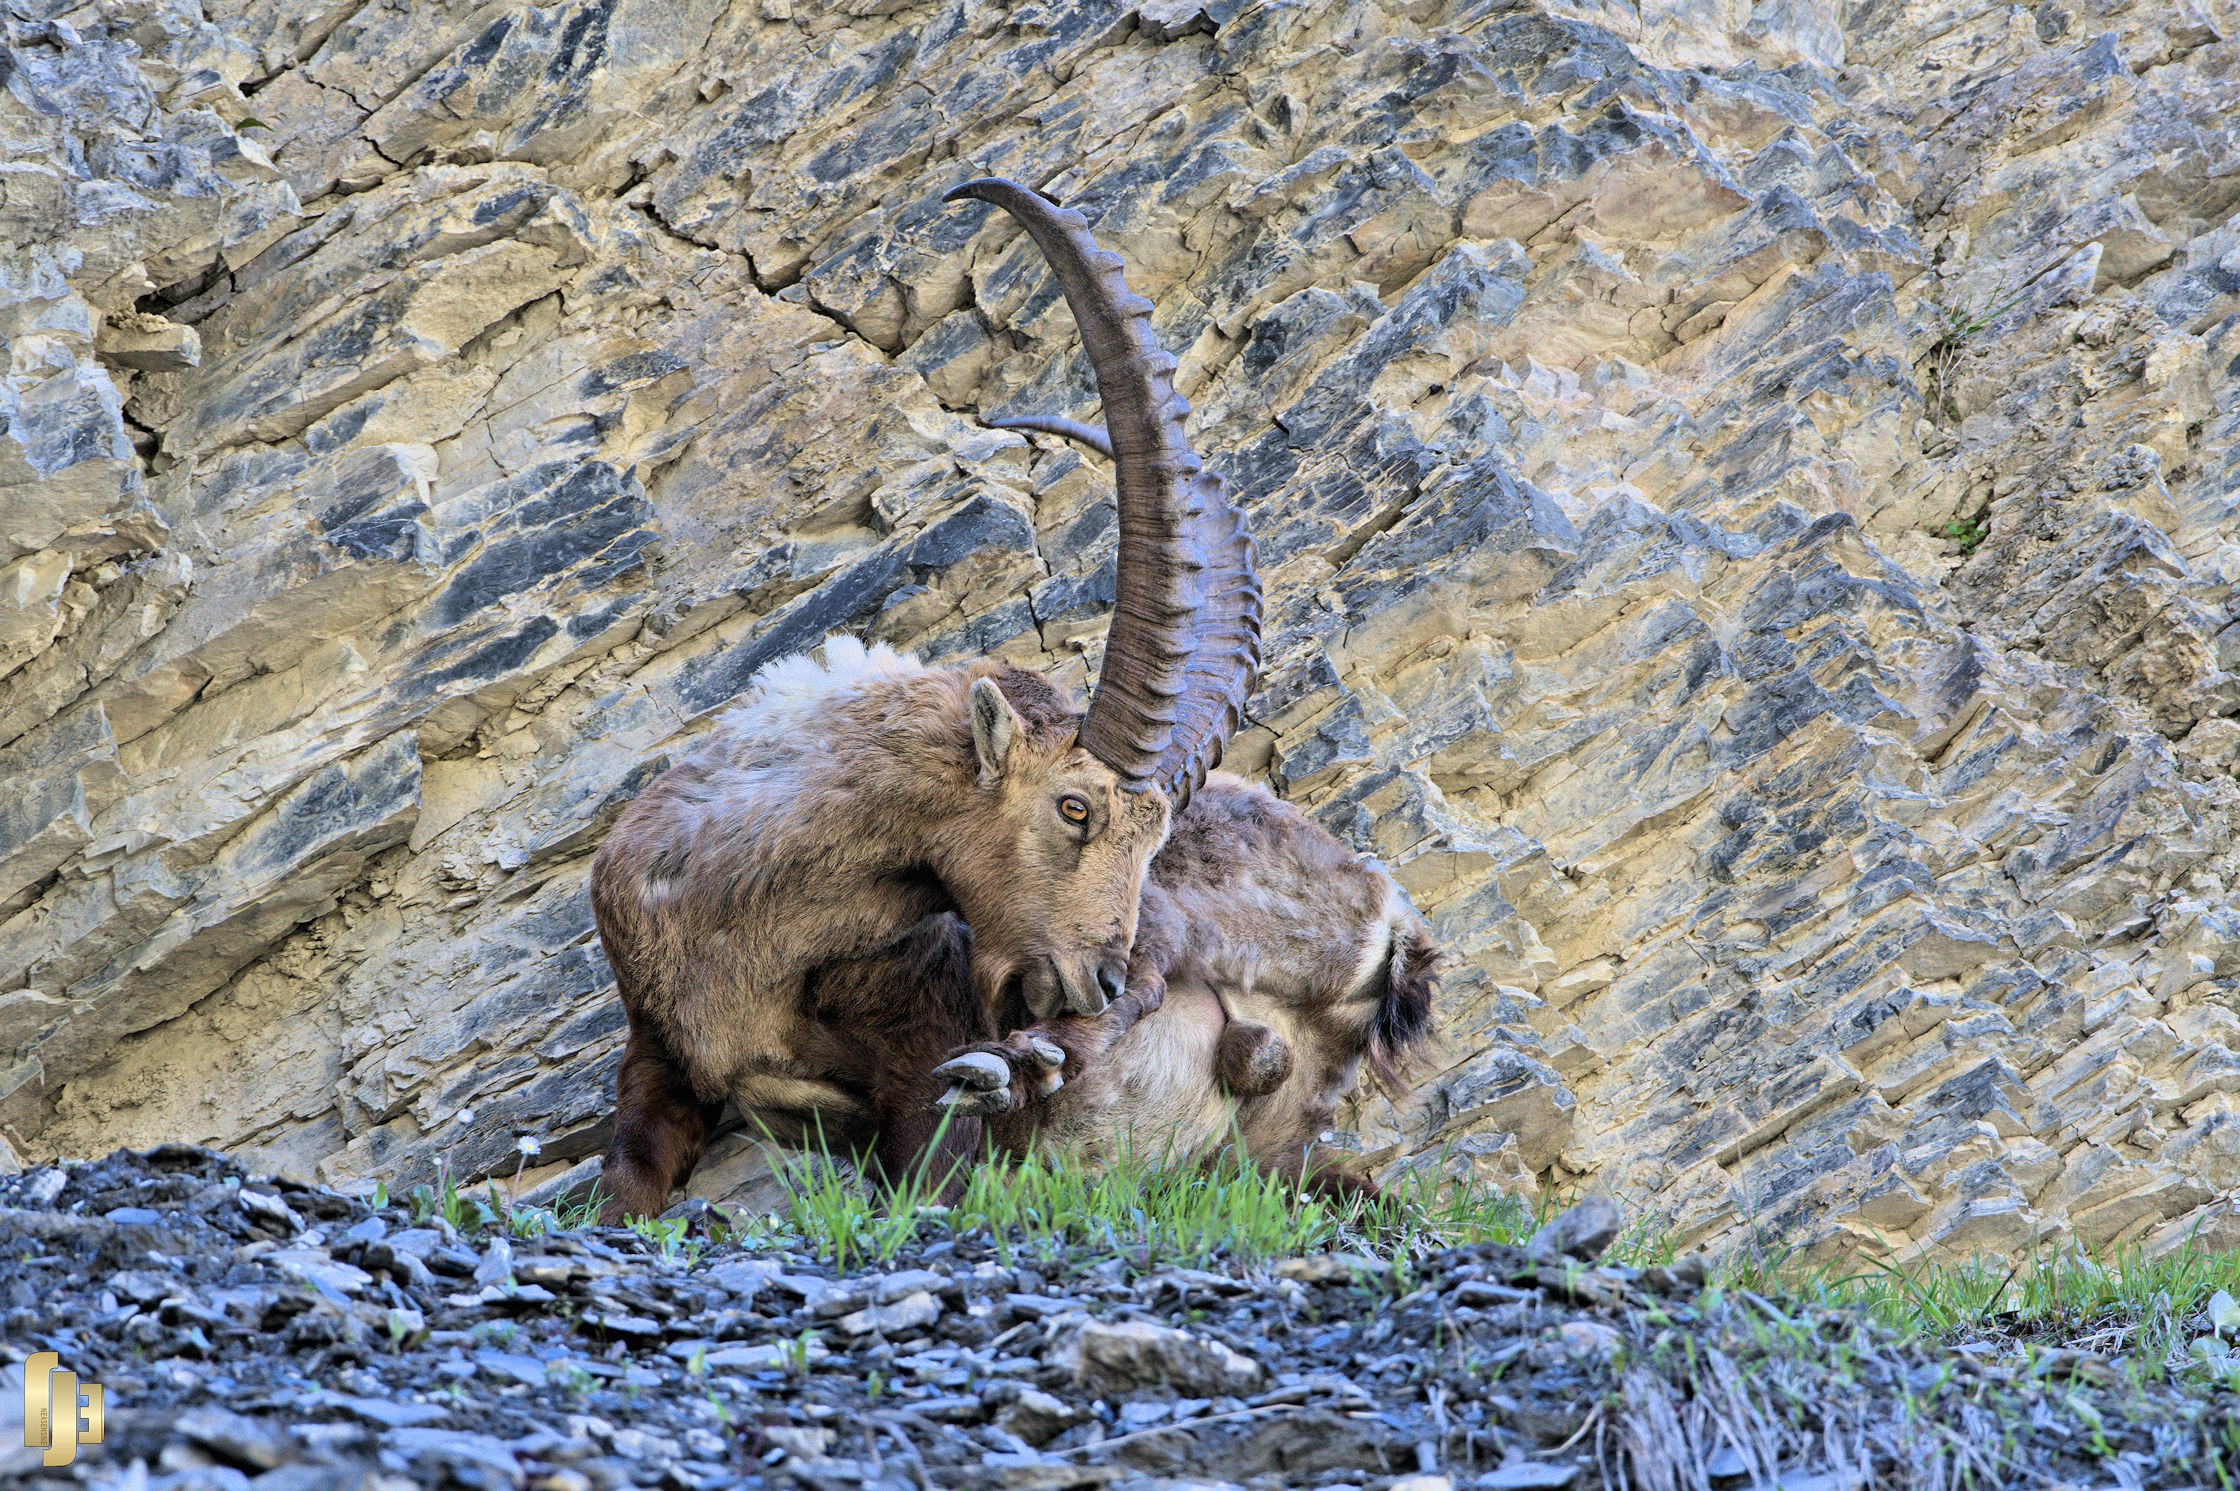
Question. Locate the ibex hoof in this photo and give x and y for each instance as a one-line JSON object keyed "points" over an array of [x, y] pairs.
{"points": [[976, 1069], [1052, 1058], [968, 1102], [979, 1085]]}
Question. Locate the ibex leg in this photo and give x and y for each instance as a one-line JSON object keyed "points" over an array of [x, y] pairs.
{"points": [[660, 1130]]}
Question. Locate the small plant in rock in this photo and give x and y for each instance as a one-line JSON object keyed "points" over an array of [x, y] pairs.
{"points": [[1967, 534], [1960, 322], [570, 1378], [444, 1201], [541, 1221], [671, 1236], [406, 1328]]}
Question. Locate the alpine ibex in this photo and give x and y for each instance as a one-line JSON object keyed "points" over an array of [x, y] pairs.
{"points": [[1272, 963], [840, 803]]}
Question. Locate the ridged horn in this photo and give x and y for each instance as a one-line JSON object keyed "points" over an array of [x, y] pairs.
{"points": [[1184, 644]]}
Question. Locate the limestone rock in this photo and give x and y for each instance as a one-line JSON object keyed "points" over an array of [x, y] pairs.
{"points": [[1745, 502], [1584, 1232], [1135, 1356], [150, 344]]}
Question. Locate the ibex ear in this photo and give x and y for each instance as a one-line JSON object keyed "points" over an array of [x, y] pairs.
{"points": [[995, 725]]}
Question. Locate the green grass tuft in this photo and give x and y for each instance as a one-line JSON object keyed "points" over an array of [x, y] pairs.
{"points": [[2161, 1316], [1959, 322], [2171, 1317], [1145, 1211], [1136, 1208]]}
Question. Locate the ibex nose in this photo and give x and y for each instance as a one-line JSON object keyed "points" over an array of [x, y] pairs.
{"points": [[1112, 978]]}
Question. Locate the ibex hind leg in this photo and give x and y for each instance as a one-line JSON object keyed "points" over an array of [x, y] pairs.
{"points": [[990, 1078], [660, 1131]]}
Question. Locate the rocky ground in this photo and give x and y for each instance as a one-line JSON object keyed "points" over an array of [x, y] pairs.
{"points": [[256, 1331]]}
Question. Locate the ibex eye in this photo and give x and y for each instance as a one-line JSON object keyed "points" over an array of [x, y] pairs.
{"points": [[1074, 809]]}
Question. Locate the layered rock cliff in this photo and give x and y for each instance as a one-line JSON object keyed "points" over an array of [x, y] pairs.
{"points": [[1747, 494]]}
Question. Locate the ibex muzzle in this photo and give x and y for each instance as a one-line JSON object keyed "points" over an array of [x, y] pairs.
{"points": [[841, 802]]}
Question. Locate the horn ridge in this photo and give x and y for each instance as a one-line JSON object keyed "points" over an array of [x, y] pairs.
{"points": [[1184, 642]]}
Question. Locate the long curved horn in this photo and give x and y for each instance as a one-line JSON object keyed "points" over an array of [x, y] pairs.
{"points": [[1057, 424], [1184, 644]]}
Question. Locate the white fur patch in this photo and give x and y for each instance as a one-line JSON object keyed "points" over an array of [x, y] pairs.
{"points": [[1376, 952], [1154, 1093], [788, 692]]}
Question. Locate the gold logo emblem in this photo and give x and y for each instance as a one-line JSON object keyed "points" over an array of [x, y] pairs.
{"points": [[54, 1419]]}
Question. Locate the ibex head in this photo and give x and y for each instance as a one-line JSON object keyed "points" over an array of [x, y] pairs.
{"points": [[1081, 804], [1051, 868]]}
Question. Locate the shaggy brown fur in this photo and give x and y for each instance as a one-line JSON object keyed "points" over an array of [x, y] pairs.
{"points": [[834, 810]]}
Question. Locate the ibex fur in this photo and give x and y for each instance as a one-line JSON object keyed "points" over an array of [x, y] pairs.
{"points": [[1287, 964], [842, 802]]}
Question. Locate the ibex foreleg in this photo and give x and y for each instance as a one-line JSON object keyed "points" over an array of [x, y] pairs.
{"points": [[990, 1079]]}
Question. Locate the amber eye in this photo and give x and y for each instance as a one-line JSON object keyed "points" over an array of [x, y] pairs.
{"points": [[1073, 809]]}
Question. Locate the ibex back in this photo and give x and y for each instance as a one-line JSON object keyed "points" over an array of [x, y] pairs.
{"points": [[843, 801]]}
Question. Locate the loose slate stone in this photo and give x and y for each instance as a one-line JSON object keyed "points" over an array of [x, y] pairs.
{"points": [[781, 1355], [911, 1312], [386, 1413], [1134, 1355], [1550, 1476], [1222, 1375], [1332, 1268], [314, 1267]]}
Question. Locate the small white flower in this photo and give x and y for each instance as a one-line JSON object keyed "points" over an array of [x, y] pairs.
{"points": [[528, 1146], [464, 1117]]}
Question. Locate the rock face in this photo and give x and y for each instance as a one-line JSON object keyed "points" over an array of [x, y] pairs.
{"points": [[1747, 496]]}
